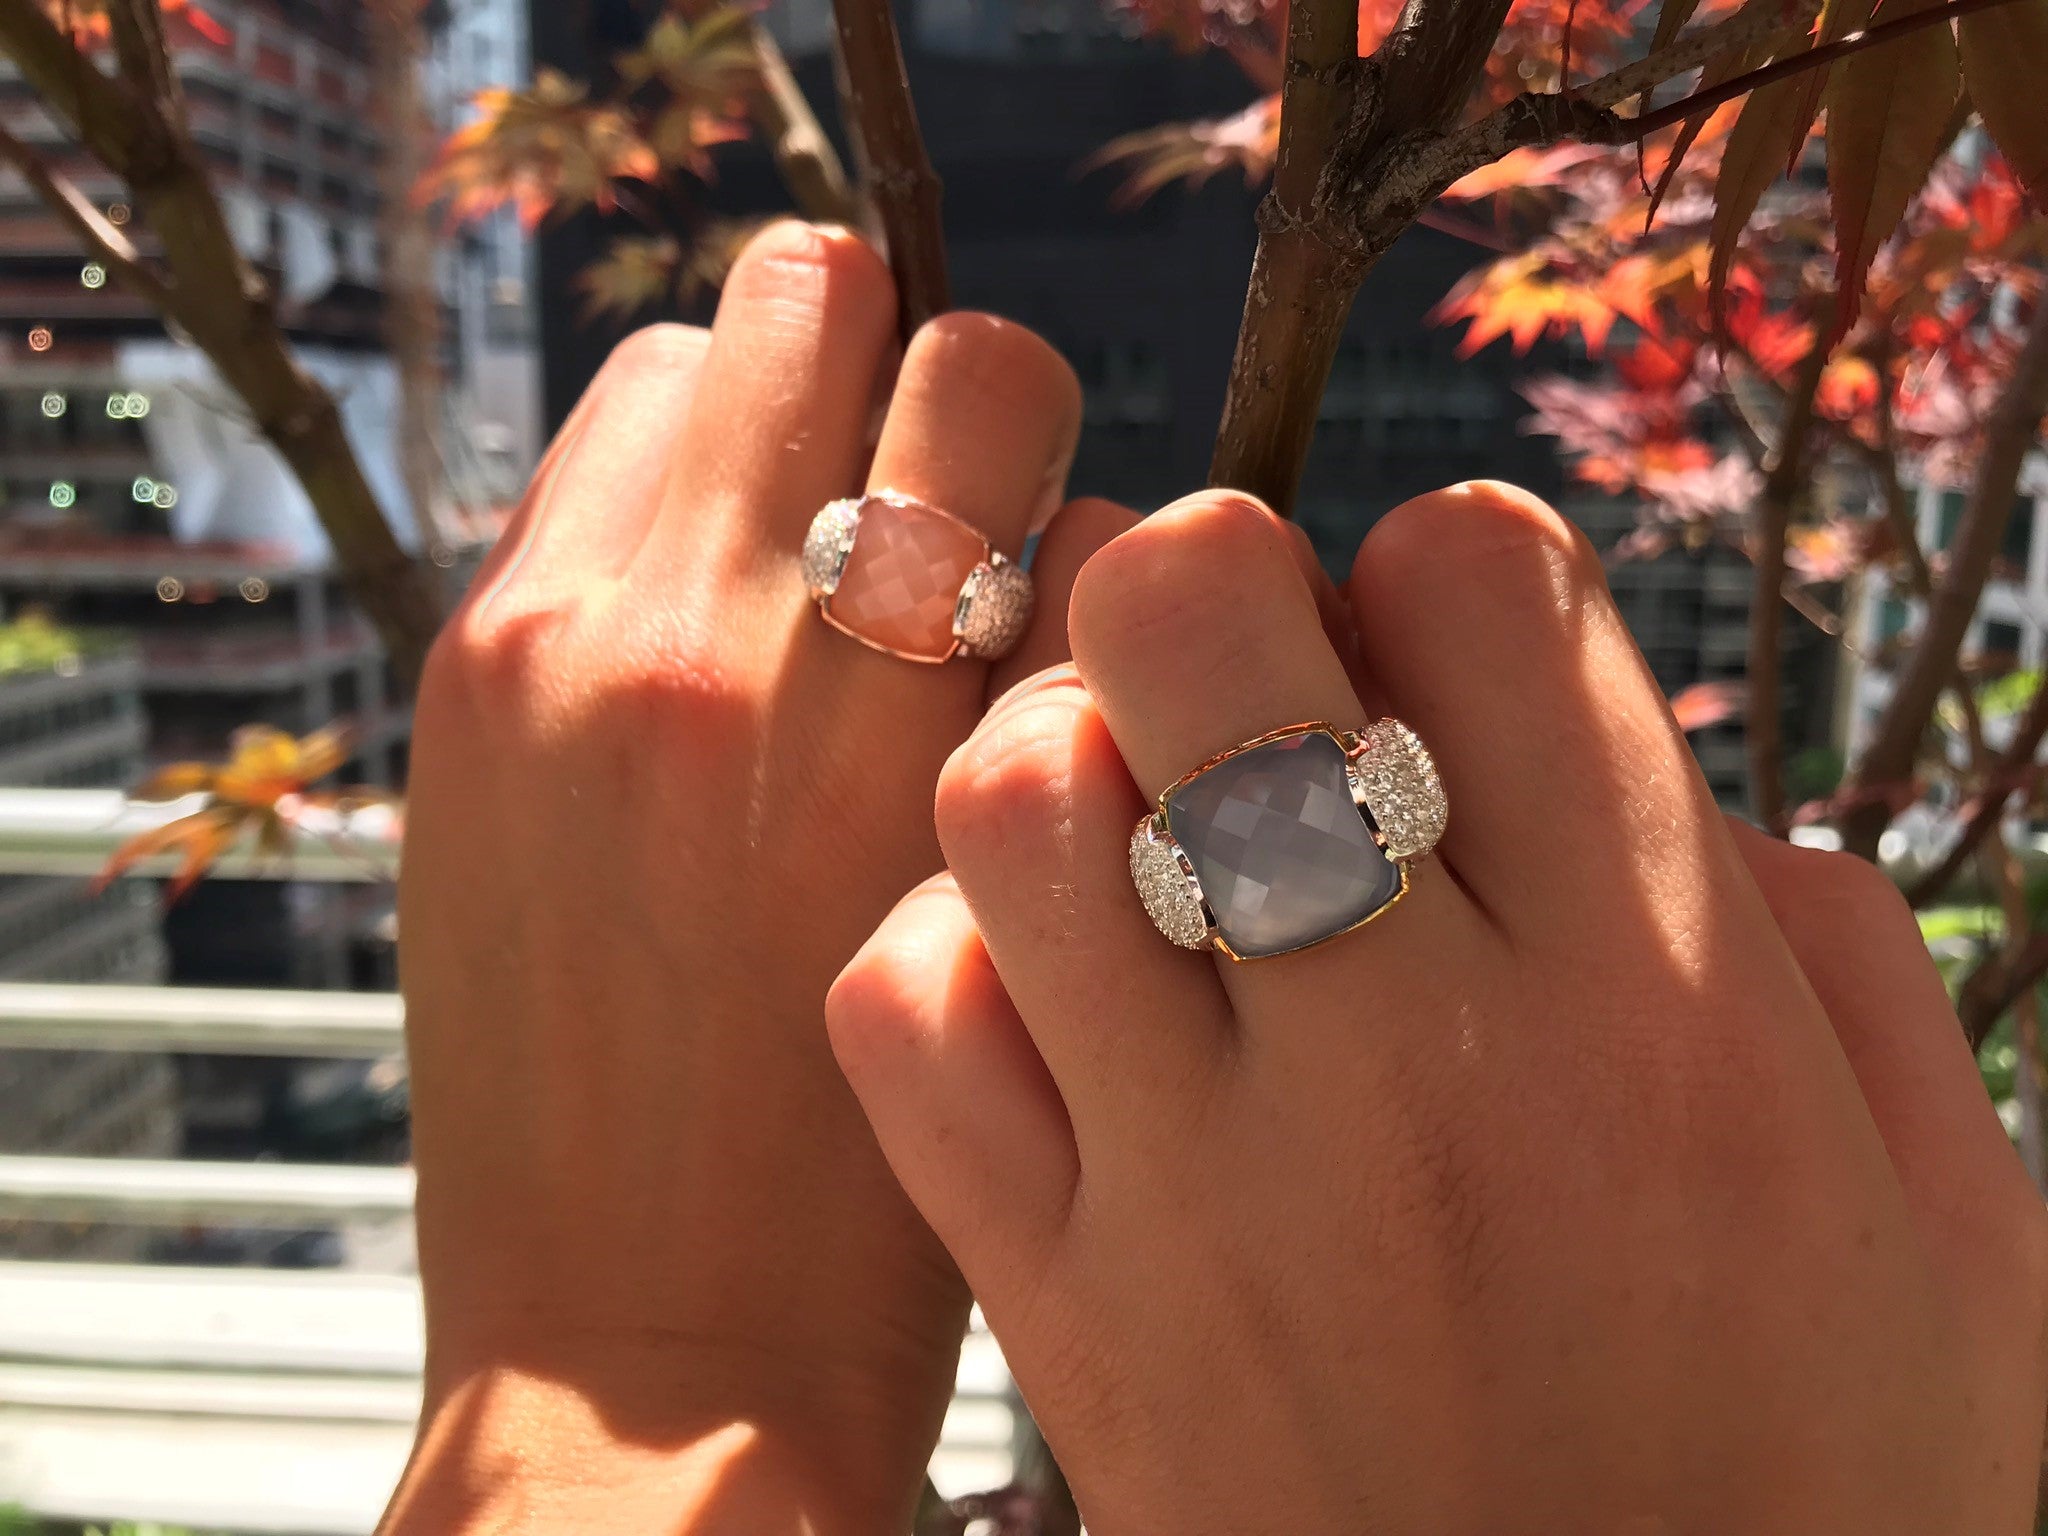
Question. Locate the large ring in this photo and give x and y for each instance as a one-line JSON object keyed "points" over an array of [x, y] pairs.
{"points": [[1290, 839], [904, 577]]}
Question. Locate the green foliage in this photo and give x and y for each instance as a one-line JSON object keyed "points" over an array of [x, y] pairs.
{"points": [[33, 643], [2009, 694], [1814, 774]]}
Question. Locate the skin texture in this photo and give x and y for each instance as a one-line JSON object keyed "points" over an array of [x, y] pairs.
{"points": [[656, 805], [1629, 1178]]}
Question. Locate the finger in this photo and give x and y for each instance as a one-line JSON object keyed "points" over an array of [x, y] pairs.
{"points": [[1860, 947], [959, 1100], [781, 420], [1486, 617], [1035, 812], [1077, 530], [982, 426], [620, 433], [1196, 633]]}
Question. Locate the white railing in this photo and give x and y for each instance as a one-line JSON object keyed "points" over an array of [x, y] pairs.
{"points": [[240, 1399], [144, 1192], [225, 1020], [75, 831]]}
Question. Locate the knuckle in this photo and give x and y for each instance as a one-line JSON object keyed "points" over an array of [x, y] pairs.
{"points": [[1487, 526], [484, 656], [654, 349], [867, 1004], [1167, 582], [1008, 782], [790, 253], [989, 359]]}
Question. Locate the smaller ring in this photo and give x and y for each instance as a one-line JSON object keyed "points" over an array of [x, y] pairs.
{"points": [[908, 578], [1289, 839]]}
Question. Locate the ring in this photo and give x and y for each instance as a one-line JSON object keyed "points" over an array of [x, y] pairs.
{"points": [[904, 577], [1291, 838]]}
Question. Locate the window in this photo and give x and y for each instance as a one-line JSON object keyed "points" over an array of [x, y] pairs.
{"points": [[2001, 642], [2019, 532]]}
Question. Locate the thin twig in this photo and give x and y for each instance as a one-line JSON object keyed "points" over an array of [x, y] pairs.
{"points": [[1992, 988], [809, 164], [896, 171], [106, 242], [2013, 771], [1776, 502], [2009, 434], [1536, 119]]}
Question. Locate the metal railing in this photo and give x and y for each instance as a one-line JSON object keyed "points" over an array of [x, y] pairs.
{"points": [[75, 831], [227, 1020], [146, 1192]]}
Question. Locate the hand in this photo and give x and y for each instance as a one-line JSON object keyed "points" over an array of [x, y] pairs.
{"points": [[656, 804], [1589, 1190]]}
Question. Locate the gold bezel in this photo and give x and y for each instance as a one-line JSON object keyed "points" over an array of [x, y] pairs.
{"points": [[989, 555], [1347, 742]]}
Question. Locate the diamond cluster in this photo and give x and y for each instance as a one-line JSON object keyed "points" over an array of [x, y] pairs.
{"points": [[1395, 776], [994, 610], [1165, 888], [828, 544]]}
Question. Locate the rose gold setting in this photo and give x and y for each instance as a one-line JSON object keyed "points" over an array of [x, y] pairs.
{"points": [[1167, 892], [985, 633]]}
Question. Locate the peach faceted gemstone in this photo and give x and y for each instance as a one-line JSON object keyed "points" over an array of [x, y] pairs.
{"points": [[903, 578]]}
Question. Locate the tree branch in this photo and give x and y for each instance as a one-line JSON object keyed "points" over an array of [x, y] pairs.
{"points": [[105, 242], [100, 110], [809, 165], [1784, 482], [223, 303], [2009, 434], [1538, 119], [2013, 771], [1992, 988], [1345, 127], [896, 171]]}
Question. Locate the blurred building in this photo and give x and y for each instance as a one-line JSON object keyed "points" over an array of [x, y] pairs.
{"points": [[64, 721], [135, 496], [1014, 97]]}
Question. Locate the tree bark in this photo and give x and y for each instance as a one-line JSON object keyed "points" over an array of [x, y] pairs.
{"points": [[1344, 124], [896, 172], [1784, 483]]}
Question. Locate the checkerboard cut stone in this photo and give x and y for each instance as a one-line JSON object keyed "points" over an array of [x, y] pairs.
{"points": [[902, 578], [1283, 854]]}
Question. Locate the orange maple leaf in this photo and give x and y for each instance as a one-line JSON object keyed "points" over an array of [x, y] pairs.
{"points": [[262, 789]]}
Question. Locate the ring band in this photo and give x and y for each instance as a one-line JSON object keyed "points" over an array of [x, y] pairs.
{"points": [[1289, 839], [904, 577]]}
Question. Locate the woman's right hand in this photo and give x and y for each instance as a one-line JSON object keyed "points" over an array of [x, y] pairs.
{"points": [[1630, 1178]]}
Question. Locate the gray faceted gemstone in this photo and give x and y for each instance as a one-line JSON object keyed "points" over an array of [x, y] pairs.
{"points": [[1283, 854]]}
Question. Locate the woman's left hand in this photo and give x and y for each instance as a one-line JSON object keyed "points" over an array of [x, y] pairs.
{"points": [[656, 804]]}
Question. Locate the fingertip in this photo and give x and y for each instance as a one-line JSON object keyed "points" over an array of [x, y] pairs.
{"points": [[1076, 532], [1176, 572], [1442, 540]]}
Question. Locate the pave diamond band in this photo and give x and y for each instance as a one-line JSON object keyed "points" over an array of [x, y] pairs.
{"points": [[1289, 839], [904, 577]]}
